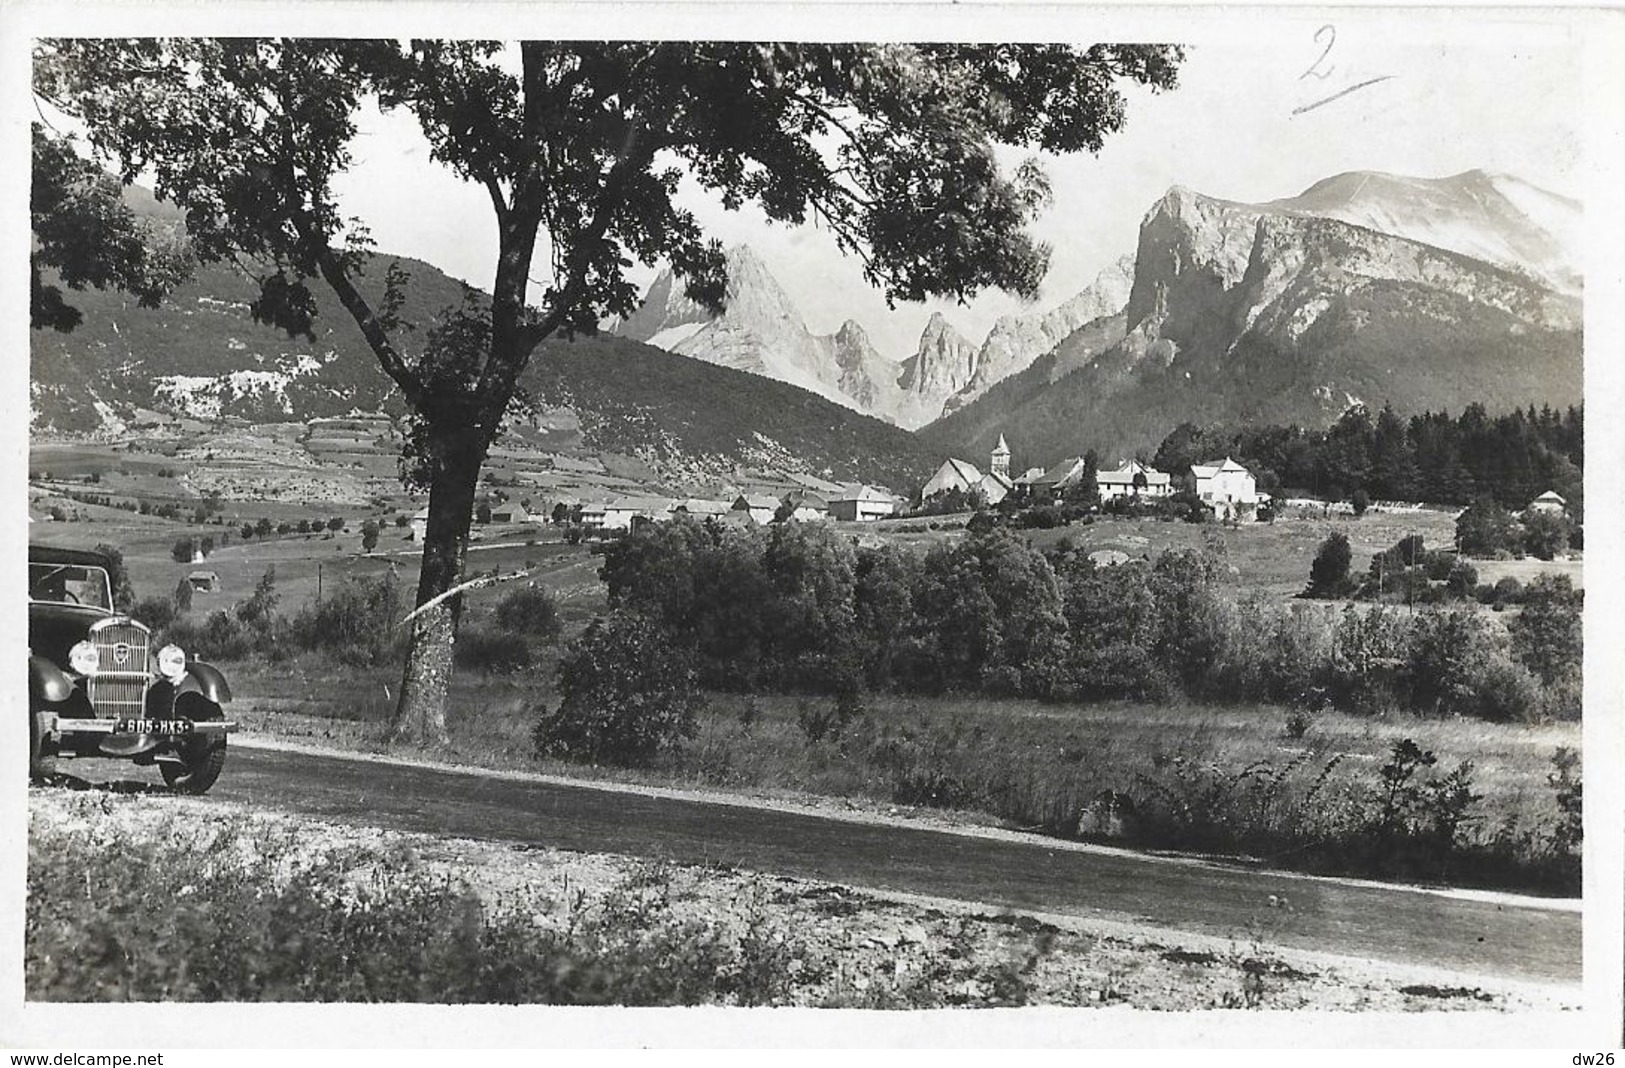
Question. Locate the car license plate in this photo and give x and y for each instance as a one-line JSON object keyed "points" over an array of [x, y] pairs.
{"points": [[152, 726]]}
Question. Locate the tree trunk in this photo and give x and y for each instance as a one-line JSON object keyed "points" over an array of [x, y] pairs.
{"points": [[420, 715]]}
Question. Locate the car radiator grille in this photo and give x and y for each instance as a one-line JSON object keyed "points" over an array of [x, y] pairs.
{"points": [[119, 687]]}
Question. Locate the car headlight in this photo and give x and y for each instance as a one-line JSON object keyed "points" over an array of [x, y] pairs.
{"points": [[172, 662], [84, 658]]}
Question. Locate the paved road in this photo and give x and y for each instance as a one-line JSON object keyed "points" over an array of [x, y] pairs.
{"points": [[1494, 937]]}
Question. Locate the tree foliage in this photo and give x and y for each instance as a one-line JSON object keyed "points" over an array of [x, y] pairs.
{"points": [[1329, 573], [1512, 457], [85, 235], [581, 148], [627, 692]]}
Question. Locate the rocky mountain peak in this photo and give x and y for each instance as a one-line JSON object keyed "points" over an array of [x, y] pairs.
{"points": [[944, 361]]}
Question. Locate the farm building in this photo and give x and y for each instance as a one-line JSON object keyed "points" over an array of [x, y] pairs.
{"points": [[624, 513], [758, 506], [1068, 472], [861, 503], [954, 474], [1228, 488], [1134, 479], [594, 515], [1550, 501], [509, 512], [204, 581], [995, 486], [699, 507], [806, 506]]}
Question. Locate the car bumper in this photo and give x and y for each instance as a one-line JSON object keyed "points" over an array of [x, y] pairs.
{"points": [[57, 726]]}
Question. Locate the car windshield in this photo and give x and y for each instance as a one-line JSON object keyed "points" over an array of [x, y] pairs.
{"points": [[69, 584]]}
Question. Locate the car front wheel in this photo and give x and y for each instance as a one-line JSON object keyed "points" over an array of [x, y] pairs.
{"points": [[39, 765], [201, 758], [199, 766]]}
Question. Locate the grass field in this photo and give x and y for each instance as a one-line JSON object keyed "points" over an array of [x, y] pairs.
{"points": [[1223, 780]]}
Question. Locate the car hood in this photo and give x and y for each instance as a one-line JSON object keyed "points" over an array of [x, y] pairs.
{"points": [[53, 629]]}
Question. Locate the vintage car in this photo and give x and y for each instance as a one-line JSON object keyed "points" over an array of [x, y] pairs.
{"points": [[96, 688]]}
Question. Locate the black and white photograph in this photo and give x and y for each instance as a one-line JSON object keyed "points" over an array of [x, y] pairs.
{"points": [[906, 524]]}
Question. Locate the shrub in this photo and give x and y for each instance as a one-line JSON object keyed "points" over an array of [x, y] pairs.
{"points": [[358, 624], [628, 692], [1462, 580], [1547, 638], [250, 915], [529, 610], [499, 651], [1545, 534], [218, 636], [118, 576], [1329, 573], [1458, 665], [155, 612], [1044, 517], [1486, 529]]}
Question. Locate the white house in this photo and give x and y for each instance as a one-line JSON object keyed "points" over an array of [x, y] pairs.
{"points": [[861, 503], [593, 515], [952, 475], [1549, 501], [1228, 488], [419, 524], [1134, 479]]}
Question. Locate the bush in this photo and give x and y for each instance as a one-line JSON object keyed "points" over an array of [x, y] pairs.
{"points": [[218, 636], [250, 915], [628, 693], [1044, 517], [529, 611], [155, 612], [1458, 665], [358, 625], [1545, 534], [498, 651], [1329, 573]]}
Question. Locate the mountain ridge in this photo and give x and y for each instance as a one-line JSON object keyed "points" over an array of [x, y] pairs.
{"points": [[1249, 311]]}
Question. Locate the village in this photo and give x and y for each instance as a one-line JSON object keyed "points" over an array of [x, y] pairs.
{"points": [[1224, 487]]}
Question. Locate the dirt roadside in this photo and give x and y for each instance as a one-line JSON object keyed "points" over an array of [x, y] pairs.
{"points": [[851, 947]]}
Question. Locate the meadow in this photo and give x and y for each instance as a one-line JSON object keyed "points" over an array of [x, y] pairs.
{"points": [[1388, 794], [1253, 782]]}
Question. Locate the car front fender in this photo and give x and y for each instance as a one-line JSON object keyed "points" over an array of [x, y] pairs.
{"points": [[47, 682], [207, 680]]}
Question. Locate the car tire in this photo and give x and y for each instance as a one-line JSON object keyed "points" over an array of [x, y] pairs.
{"points": [[200, 766], [203, 757], [39, 765]]}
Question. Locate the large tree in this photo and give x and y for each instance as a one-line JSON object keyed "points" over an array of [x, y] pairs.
{"points": [[581, 146], [85, 235]]}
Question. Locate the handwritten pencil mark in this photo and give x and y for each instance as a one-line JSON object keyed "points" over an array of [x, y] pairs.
{"points": [[1330, 32], [1340, 94]]}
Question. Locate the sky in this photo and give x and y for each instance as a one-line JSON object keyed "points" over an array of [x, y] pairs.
{"points": [[1268, 103]]}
